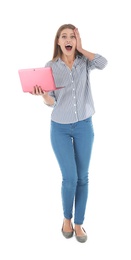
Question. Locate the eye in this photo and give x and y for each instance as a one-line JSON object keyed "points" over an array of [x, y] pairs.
{"points": [[73, 36], [63, 37]]}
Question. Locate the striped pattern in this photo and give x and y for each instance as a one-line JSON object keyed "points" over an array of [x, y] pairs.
{"points": [[74, 102]]}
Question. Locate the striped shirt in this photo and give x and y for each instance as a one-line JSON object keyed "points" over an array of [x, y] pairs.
{"points": [[74, 101]]}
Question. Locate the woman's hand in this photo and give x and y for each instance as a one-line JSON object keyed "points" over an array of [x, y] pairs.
{"points": [[48, 100], [87, 54], [78, 40], [37, 90]]}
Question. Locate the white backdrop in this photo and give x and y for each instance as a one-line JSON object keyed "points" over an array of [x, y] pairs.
{"points": [[30, 179]]}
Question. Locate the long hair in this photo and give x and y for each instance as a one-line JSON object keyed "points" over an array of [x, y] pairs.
{"points": [[57, 50]]}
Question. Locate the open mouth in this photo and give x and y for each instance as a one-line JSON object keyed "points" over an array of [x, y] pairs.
{"points": [[68, 47]]}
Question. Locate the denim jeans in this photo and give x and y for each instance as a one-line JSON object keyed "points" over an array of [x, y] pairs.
{"points": [[72, 145]]}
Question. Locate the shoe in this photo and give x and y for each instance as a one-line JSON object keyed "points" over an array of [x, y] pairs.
{"points": [[67, 234], [81, 239]]}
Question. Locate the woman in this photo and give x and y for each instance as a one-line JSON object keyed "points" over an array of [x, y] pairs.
{"points": [[71, 123]]}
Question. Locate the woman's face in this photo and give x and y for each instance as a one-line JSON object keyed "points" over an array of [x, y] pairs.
{"points": [[67, 42]]}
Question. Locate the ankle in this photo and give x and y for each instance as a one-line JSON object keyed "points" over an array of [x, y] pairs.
{"points": [[67, 221], [76, 226]]}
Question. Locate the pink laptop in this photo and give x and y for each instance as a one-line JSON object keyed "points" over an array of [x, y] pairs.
{"points": [[37, 76]]}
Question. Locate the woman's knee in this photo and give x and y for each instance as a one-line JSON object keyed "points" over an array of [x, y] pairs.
{"points": [[83, 181], [69, 183]]}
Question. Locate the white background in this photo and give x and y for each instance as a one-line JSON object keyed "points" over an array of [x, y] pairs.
{"points": [[30, 179]]}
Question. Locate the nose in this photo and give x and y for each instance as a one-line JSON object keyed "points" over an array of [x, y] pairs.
{"points": [[68, 41]]}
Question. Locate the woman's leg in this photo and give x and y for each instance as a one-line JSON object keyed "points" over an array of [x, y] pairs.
{"points": [[61, 141], [83, 141]]}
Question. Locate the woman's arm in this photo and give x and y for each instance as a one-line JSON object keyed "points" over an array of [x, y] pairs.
{"points": [[95, 60]]}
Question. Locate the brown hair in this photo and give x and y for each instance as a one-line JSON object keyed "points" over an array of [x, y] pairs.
{"points": [[57, 50]]}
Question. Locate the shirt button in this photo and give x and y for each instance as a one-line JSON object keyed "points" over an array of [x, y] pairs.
{"points": [[74, 97]]}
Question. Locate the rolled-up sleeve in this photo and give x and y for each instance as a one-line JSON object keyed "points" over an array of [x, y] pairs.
{"points": [[99, 62]]}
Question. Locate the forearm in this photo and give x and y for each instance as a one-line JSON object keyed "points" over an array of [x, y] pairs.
{"points": [[89, 55], [48, 100], [95, 60]]}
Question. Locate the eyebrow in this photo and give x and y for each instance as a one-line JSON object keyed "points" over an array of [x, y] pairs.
{"points": [[66, 33]]}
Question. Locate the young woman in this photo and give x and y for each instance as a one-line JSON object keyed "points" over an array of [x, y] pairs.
{"points": [[72, 132]]}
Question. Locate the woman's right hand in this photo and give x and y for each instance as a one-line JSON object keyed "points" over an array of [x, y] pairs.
{"points": [[48, 100], [37, 90]]}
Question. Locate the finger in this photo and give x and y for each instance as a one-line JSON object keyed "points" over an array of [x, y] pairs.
{"points": [[77, 33], [76, 30], [33, 91], [37, 90], [40, 90]]}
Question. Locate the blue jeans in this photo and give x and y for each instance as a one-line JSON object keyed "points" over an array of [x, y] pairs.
{"points": [[72, 145]]}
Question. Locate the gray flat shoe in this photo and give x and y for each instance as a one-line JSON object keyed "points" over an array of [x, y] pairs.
{"points": [[81, 239], [67, 234]]}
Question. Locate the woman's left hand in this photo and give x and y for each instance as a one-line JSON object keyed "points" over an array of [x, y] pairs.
{"points": [[78, 40]]}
